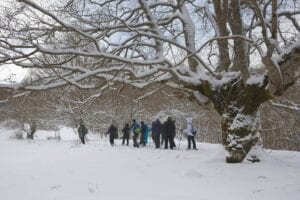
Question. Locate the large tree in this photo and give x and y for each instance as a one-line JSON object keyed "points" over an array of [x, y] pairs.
{"points": [[208, 48]]}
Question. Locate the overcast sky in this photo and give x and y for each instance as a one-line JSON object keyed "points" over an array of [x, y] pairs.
{"points": [[10, 72]]}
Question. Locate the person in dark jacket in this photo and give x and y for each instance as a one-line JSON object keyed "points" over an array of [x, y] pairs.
{"points": [[143, 133], [156, 133], [82, 131], [169, 133], [135, 128], [113, 134], [126, 134]]}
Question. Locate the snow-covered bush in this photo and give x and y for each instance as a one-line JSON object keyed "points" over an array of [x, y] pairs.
{"points": [[19, 134]]}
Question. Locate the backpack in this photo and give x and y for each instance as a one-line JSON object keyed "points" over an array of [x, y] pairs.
{"points": [[85, 131], [116, 135], [137, 130], [194, 131], [82, 131]]}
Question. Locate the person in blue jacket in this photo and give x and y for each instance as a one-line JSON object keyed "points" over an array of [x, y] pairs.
{"points": [[146, 136], [135, 129]]}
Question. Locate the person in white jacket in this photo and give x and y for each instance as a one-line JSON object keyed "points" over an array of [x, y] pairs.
{"points": [[190, 132]]}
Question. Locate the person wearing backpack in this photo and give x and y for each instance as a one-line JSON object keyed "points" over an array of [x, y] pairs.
{"points": [[135, 129], [126, 134], [82, 131], [113, 134], [190, 132]]}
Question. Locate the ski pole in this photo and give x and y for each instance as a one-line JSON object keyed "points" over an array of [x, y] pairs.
{"points": [[180, 138]]}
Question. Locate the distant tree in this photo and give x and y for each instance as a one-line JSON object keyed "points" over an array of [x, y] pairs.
{"points": [[26, 112]]}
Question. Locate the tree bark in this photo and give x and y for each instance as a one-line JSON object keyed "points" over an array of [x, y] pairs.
{"points": [[238, 105], [221, 17], [241, 59], [30, 134]]}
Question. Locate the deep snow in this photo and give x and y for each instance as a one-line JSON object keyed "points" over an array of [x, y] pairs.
{"points": [[47, 170]]}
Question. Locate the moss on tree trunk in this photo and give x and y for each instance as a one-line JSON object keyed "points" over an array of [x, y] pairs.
{"points": [[238, 104]]}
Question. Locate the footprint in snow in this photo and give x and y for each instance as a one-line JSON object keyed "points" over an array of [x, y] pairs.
{"points": [[193, 174], [93, 188], [55, 187], [262, 177], [257, 191]]}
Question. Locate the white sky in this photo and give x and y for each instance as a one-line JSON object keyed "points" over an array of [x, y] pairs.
{"points": [[10, 73]]}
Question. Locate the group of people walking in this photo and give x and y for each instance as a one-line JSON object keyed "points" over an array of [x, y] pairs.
{"points": [[162, 133]]}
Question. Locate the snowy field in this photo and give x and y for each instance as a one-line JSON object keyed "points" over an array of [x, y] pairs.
{"points": [[47, 170]]}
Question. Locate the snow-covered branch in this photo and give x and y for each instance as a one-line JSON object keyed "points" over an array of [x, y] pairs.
{"points": [[289, 105]]}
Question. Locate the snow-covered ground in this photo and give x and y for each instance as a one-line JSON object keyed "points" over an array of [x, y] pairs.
{"points": [[65, 170]]}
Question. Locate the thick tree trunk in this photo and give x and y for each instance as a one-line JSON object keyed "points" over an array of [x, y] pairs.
{"points": [[238, 104], [240, 132], [30, 134]]}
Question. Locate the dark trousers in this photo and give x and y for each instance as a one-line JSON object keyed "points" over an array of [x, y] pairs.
{"points": [[125, 137], [191, 139], [134, 138], [169, 139], [111, 139], [82, 140], [156, 139], [142, 139]]}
